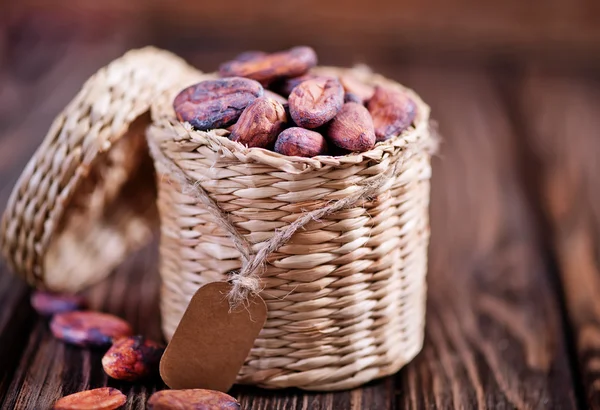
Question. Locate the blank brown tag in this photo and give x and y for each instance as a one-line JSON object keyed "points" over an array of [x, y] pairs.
{"points": [[211, 343]]}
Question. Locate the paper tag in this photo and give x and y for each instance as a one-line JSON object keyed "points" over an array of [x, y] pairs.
{"points": [[211, 343]]}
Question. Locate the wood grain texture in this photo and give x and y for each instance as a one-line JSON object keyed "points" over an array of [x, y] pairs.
{"points": [[494, 336], [560, 122], [494, 333]]}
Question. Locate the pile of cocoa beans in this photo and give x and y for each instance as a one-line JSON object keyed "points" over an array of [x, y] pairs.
{"points": [[129, 358], [273, 101]]}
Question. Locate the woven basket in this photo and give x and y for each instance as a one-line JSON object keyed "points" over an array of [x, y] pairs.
{"points": [[87, 198], [346, 295]]}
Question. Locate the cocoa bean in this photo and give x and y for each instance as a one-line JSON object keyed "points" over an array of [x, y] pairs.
{"points": [[216, 103], [286, 107], [351, 97], [286, 85], [192, 399], [132, 358], [86, 328], [48, 304], [276, 97], [249, 55], [352, 128], [260, 123], [265, 69], [300, 142], [393, 111], [315, 102], [104, 398], [355, 86]]}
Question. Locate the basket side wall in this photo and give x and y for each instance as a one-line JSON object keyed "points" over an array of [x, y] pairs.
{"points": [[346, 296]]}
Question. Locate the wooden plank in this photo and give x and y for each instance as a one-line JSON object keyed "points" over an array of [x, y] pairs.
{"points": [[494, 334], [49, 369], [558, 116]]}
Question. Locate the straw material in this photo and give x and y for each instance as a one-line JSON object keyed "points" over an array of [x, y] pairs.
{"points": [[346, 293], [87, 197]]}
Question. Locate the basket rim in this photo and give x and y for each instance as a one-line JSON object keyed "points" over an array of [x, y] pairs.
{"points": [[185, 138]]}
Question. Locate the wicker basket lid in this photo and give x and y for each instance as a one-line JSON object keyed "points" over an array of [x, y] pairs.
{"points": [[86, 199]]}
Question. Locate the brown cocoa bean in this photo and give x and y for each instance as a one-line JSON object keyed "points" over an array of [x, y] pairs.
{"points": [[192, 399], [352, 128], [249, 55], [216, 103], [265, 69], [276, 97], [104, 398], [300, 142], [286, 85], [132, 358], [315, 102], [286, 107], [48, 304], [260, 123], [86, 328], [393, 111], [351, 97], [353, 85]]}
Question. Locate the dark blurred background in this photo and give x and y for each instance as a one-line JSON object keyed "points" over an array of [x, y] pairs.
{"points": [[556, 32]]}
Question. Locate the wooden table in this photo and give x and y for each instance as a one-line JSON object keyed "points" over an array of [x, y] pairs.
{"points": [[513, 316]]}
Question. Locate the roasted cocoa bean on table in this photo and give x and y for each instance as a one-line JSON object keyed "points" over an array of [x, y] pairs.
{"points": [[104, 398], [86, 328], [216, 103], [260, 124], [132, 358], [48, 304], [314, 102], [192, 399]]}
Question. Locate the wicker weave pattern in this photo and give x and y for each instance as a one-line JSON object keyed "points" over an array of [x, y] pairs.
{"points": [[346, 295], [85, 199]]}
